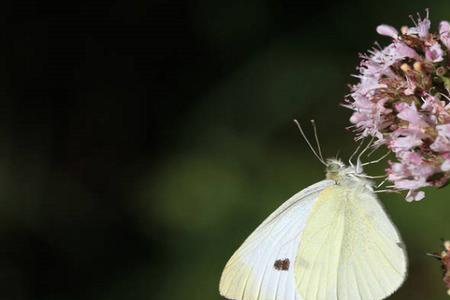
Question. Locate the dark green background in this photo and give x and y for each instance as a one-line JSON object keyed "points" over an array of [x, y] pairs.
{"points": [[142, 141]]}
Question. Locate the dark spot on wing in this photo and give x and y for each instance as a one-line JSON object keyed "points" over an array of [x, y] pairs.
{"points": [[401, 245], [282, 264]]}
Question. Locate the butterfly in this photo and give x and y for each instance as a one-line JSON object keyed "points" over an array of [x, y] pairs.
{"points": [[332, 240]]}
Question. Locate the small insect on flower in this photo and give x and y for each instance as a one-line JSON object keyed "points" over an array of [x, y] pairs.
{"points": [[402, 100], [444, 258]]}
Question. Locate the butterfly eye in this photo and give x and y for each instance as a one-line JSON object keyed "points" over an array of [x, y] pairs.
{"points": [[333, 167]]}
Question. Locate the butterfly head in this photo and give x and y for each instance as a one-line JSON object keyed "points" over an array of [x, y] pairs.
{"points": [[338, 171], [335, 169]]}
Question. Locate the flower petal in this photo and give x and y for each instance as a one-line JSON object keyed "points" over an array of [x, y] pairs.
{"points": [[387, 30]]}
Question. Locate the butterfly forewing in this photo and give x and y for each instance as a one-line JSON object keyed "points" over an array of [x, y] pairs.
{"points": [[263, 267]]}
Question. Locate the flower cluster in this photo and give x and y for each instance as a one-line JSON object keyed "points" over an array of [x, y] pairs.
{"points": [[444, 258], [402, 100]]}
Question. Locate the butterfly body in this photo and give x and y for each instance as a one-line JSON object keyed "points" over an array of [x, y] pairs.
{"points": [[330, 241]]}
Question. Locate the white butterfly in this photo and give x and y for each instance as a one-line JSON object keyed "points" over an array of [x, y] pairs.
{"points": [[332, 240]]}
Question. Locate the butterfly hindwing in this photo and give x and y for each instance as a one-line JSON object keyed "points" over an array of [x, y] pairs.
{"points": [[263, 267]]}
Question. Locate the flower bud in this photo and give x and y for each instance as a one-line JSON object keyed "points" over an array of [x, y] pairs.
{"points": [[441, 71], [447, 245], [418, 66], [405, 68], [404, 30], [387, 30]]}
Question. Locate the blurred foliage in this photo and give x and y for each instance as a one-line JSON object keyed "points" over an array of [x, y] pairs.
{"points": [[143, 141]]}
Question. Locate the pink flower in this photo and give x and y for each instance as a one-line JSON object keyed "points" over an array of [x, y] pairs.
{"points": [[402, 51], [387, 30], [442, 142], [410, 87], [434, 53], [367, 85], [403, 100], [404, 139], [414, 195], [444, 130], [405, 184], [409, 113], [422, 28], [412, 158], [440, 145], [411, 175], [444, 33], [446, 165], [405, 143]]}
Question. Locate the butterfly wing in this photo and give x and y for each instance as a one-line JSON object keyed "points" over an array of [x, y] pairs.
{"points": [[262, 268], [349, 248]]}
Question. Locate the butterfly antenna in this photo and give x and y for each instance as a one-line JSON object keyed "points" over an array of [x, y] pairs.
{"points": [[355, 152], [382, 182], [337, 153], [316, 137], [372, 151], [358, 159], [309, 144], [376, 160]]}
